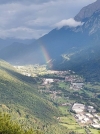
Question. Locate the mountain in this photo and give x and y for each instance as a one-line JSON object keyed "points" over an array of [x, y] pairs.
{"points": [[13, 52], [87, 11], [59, 41], [85, 60], [15, 90], [20, 98], [6, 42], [62, 48]]}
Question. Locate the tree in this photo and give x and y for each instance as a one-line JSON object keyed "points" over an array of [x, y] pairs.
{"points": [[9, 127]]}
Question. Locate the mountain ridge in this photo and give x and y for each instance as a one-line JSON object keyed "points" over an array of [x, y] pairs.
{"points": [[87, 11]]}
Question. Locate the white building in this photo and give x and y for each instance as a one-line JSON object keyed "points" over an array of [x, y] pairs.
{"points": [[89, 115], [95, 121], [78, 108], [86, 119], [96, 125], [91, 109], [48, 81]]}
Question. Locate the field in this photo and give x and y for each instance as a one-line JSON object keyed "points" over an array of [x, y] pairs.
{"points": [[71, 124]]}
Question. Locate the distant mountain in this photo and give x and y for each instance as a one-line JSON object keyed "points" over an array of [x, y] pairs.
{"points": [[86, 59], [13, 52], [50, 46], [87, 11], [9, 41], [62, 48], [13, 49]]}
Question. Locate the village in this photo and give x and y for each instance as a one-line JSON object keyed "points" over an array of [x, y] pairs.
{"points": [[86, 115], [31, 70], [54, 84], [76, 82]]}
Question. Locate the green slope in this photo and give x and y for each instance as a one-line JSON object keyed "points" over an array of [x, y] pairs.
{"points": [[16, 91], [19, 97], [9, 127]]}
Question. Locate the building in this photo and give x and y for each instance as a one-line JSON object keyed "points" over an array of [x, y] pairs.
{"points": [[91, 109], [82, 118], [48, 81], [97, 126], [76, 86], [78, 108], [89, 115]]}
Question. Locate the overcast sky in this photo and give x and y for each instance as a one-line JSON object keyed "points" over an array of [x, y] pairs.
{"points": [[34, 18]]}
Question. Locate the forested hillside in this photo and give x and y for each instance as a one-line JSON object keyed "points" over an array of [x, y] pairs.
{"points": [[9, 127], [19, 97]]}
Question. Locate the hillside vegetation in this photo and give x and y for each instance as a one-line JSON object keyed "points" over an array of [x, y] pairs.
{"points": [[19, 97], [9, 127]]}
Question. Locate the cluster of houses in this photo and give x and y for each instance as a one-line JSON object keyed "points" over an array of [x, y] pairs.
{"points": [[86, 115], [76, 83], [30, 70], [76, 86], [59, 73], [73, 78], [23, 70]]}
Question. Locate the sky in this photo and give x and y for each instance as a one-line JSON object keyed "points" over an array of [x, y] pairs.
{"points": [[27, 19]]}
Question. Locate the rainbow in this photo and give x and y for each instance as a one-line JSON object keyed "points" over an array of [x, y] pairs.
{"points": [[46, 56]]}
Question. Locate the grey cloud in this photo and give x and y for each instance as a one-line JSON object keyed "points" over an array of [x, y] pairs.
{"points": [[37, 1], [25, 1], [21, 32], [21, 20]]}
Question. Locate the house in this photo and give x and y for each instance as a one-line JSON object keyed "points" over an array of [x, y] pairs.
{"points": [[89, 115], [86, 119], [91, 109], [95, 121], [48, 81], [78, 108], [97, 126], [82, 118], [77, 85]]}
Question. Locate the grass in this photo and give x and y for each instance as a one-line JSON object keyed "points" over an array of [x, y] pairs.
{"points": [[63, 85], [68, 120], [64, 110], [60, 100], [94, 131], [70, 123]]}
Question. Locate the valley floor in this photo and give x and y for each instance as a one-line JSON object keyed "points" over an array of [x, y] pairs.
{"points": [[66, 89]]}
